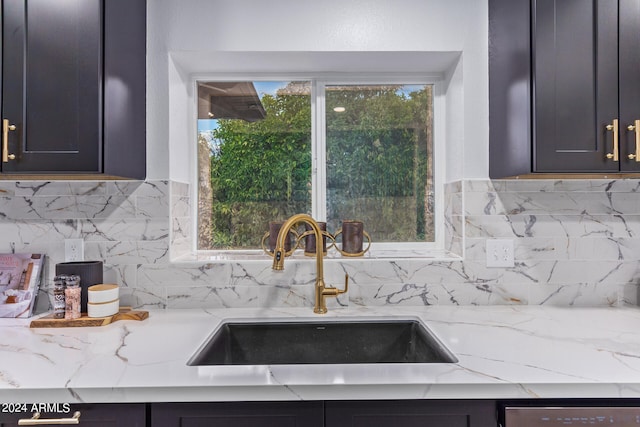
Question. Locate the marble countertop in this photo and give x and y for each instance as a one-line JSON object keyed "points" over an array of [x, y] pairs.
{"points": [[503, 352]]}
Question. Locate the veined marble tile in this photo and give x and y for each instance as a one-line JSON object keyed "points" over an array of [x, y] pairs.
{"points": [[125, 229], [519, 226], [524, 185], [246, 296], [181, 236], [453, 187], [7, 188], [529, 248], [135, 252], [559, 203], [403, 294], [66, 207], [261, 273], [183, 274], [453, 204], [181, 227], [180, 206], [144, 298], [505, 293], [413, 294], [615, 226], [491, 226], [484, 185], [152, 207], [179, 188], [592, 185], [180, 248], [455, 246], [124, 275], [604, 248], [60, 188], [580, 271], [23, 234], [154, 188], [577, 294]]}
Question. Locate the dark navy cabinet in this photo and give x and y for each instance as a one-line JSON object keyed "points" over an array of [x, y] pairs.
{"points": [[238, 414], [564, 86], [73, 87], [357, 413], [411, 413], [91, 414], [378, 413]]}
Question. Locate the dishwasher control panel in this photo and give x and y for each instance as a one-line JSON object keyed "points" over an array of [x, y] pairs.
{"points": [[557, 416]]}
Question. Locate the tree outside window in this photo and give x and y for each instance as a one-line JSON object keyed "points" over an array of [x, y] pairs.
{"points": [[255, 144]]}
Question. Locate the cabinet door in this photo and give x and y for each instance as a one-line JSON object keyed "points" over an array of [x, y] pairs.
{"points": [[406, 413], [52, 87], [629, 85], [575, 66], [238, 414], [96, 415]]}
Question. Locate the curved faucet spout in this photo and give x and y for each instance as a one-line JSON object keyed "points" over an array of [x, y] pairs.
{"points": [[321, 290]]}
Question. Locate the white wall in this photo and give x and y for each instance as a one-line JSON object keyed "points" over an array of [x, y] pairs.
{"points": [[191, 36]]}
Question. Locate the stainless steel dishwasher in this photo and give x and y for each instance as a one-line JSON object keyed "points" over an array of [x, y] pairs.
{"points": [[557, 414]]}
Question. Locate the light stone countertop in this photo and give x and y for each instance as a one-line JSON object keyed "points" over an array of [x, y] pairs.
{"points": [[503, 352]]}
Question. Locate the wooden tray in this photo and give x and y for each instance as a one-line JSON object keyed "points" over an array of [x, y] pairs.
{"points": [[125, 313]]}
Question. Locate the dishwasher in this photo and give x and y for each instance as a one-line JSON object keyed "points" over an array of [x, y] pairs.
{"points": [[559, 413]]}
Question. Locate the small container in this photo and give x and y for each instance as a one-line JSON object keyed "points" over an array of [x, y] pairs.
{"points": [[103, 292], [58, 296], [103, 309], [72, 297]]}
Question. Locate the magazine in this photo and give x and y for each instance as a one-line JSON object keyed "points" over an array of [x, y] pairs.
{"points": [[20, 277]]}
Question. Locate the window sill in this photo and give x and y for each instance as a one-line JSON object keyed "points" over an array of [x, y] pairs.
{"points": [[260, 256]]}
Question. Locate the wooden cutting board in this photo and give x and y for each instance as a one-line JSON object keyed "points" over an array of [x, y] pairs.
{"points": [[125, 313]]}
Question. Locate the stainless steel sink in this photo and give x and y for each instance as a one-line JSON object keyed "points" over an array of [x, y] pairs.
{"points": [[321, 342]]}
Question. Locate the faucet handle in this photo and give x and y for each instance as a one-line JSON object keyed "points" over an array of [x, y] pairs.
{"points": [[346, 285], [333, 291]]}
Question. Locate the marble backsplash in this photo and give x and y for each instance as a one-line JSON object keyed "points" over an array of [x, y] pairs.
{"points": [[576, 243]]}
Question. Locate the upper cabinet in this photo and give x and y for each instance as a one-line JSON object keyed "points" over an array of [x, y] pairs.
{"points": [[565, 87], [73, 87]]}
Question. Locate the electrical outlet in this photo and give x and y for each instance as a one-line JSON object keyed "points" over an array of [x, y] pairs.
{"points": [[73, 250], [500, 253]]}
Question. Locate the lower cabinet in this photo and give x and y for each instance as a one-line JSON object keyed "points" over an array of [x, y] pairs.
{"points": [[371, 413], [238, 414], [388, 413], [411, 413], [95, 415]]}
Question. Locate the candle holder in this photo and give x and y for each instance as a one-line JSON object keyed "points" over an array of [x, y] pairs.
{"points": [[353, 235], [352, 239], [272, 235]]}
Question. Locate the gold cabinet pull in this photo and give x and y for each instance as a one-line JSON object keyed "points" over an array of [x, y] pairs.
{"points": [[6, 127], [635, 127], [614, 127], [35, 420]]}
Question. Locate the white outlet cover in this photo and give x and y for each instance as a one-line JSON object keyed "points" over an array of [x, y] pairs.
{"points": [[73, 250], [500, 253]]}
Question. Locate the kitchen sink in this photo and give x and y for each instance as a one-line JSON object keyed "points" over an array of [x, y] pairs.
{"points": [[321, 342]]}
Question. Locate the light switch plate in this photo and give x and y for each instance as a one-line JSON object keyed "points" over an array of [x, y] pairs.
{"points": [[500, 253], [73, 250]]}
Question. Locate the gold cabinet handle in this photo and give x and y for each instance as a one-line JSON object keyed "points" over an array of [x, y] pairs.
{"points": [[635, 127], [6, 127], [613, 127], [37, 421]]}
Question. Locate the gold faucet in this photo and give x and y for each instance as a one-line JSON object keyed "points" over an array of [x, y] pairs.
{"points": [[321, 290]]}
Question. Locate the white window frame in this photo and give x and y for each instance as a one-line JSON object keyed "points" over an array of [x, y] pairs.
{"points": [[318, 150]]}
